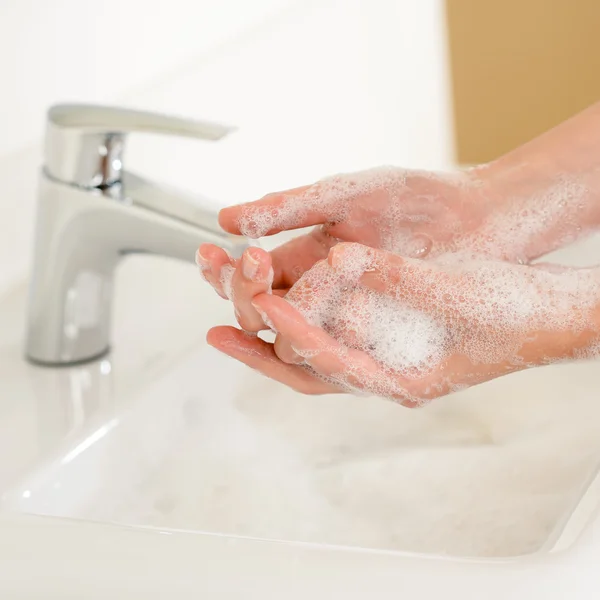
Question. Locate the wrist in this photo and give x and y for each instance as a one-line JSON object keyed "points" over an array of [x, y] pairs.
{"points": [[538, 204], [579, 335]]}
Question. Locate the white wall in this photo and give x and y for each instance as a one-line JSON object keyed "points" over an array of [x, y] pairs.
{"points": [[316, 86], [113, 51], [99, 50]]}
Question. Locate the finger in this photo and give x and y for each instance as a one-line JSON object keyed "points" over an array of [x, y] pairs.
{"points": [[281, 211], [352, 369], [326, 201], [323, 353], [292, 259], [259, 355], [210, 260], [320, 280], [285, 352], [346, 335], [230, 217], [289, 261], [253, 276]]}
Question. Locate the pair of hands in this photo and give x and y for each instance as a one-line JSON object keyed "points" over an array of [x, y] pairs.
{"points": [[447, 247]]}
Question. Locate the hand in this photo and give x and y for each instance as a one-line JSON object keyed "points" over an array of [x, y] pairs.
{"points": [[406, 212], [413, 213], [367, 320]]}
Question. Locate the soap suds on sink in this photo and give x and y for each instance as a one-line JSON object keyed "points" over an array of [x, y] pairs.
{"points": [[488, 472]]}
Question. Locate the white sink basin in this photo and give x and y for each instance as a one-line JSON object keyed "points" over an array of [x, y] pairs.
{"points": [[208, 447], [165, 434]]}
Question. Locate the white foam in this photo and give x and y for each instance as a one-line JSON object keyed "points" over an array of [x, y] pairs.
{"points": [[399, 337]]}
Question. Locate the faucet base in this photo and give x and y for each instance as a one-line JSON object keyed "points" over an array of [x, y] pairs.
{"points": [[81, 237], [74, 363]]}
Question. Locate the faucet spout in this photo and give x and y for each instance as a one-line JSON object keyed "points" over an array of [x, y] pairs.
{"points": [[174, 222]]}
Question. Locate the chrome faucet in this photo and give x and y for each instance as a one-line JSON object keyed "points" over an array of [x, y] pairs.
{"points": [[91, 213]]}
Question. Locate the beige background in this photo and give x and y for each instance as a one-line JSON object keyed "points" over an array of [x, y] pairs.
{"points": [[518, 67]]}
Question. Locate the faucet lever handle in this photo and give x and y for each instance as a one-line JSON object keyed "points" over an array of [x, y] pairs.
{"points": [[84, 142]]}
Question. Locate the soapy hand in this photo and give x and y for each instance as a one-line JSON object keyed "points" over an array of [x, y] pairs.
{"points": [[498, 211], [406, 212], [529, 202], [412, 213], [369, 321]]}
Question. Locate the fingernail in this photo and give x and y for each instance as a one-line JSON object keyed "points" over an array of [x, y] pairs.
{"points": [[249, 266], [237, 314], [335, 255], [269, 279], [226, 279], [296, 358], [263, 315], [257, 307], [201, 260]]}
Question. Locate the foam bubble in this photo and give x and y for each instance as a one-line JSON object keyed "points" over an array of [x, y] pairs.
{"points": [[399, 337]]}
